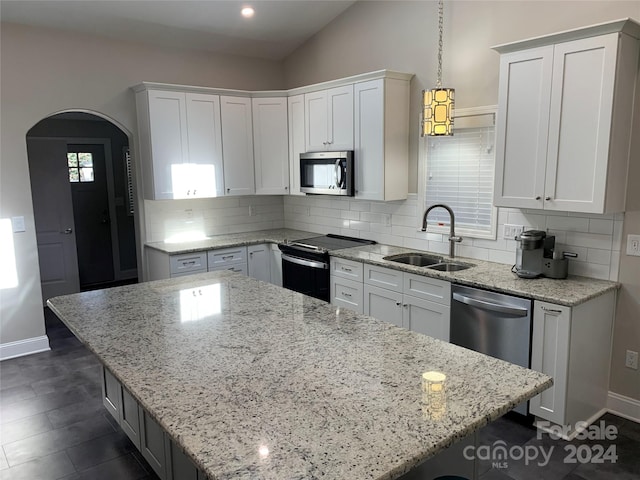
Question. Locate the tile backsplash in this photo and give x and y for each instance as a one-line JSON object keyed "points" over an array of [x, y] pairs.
{"points": [[596, 239], [168, 220]]}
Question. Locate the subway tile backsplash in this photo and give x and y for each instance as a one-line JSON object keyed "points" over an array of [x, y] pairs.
{"points": [[171, 219], [595, 238]]}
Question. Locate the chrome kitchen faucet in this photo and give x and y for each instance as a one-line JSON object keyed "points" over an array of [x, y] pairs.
{"points": [[452, 232]]}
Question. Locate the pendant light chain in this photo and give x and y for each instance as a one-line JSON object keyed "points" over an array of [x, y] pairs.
{"points": [[440, 28]]}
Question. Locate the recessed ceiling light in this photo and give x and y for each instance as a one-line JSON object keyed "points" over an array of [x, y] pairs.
{"points": [[247, 12]]}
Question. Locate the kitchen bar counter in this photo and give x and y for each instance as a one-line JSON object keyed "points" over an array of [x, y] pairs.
{"points": [[497, 277], [255, 381]]}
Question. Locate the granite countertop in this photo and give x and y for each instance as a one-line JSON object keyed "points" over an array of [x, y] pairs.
{"points": [[279, 235], [498, 277], [229, 365]]}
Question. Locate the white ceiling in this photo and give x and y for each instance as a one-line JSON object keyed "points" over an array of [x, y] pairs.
{"points": [[277, 28]]}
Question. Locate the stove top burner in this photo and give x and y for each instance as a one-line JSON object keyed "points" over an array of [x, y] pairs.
{"points": [[326, 243]]}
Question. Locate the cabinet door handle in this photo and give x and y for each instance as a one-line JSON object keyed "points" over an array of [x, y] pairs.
{"points": [[547, 198], [228, 190], [398, 304], [551, 310], [538, 197]]}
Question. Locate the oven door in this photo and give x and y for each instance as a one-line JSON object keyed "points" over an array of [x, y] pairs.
{"points": [[310, 277]]}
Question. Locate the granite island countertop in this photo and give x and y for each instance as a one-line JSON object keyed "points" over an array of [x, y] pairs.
{"points": [[229, 365], [498, 277]]}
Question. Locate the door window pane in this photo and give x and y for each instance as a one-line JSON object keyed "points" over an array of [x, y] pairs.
{"points": [[80, 167], [72, 159]]}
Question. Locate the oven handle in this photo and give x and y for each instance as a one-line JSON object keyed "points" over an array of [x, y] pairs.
{"points": [[306, 263], [494, 307]]}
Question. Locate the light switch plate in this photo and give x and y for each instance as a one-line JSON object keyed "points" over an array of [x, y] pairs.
{"points": [[510, 231], [17, 223], [633, 245]]}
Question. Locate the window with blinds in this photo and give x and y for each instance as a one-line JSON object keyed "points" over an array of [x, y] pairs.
{"points": [[459, 172]]}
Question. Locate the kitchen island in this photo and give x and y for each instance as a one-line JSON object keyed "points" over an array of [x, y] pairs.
{"points": [[254, 381]]}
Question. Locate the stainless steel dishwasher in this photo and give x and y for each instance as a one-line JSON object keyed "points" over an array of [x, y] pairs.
{"points": [[494, 324]]}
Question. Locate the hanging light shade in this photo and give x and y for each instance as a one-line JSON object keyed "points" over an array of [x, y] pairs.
{"points": [[438, 103]]}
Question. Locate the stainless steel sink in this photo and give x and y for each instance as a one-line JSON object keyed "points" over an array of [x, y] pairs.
{"points": [[431, 262], [449, 267], [414, 258]]}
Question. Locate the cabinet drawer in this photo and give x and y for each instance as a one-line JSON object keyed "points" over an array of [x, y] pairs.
{"points": [[346, 293], [226, 256], [188, 263], [348, 269], [383, 277], [427, 288], [235, 267]]}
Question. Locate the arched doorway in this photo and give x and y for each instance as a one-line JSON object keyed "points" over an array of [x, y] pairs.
{"points": [[82, 193]]}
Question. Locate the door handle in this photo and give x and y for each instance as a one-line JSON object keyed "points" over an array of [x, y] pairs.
{"points": [[67, 231], [494, 307]]}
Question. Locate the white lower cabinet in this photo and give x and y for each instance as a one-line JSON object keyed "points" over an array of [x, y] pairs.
{"points": [[418, 303], [347, 293], [259, 261], [152, 443], [130, 417], [166, 458], [276, 264], [572, 345], [383, 304], [234, 259], [415, 302], [346, 284]]}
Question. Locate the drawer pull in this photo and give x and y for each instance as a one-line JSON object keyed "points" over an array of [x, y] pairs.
{"points": [[346, 269], [227, 257], [192, 262], [345, 294], [551, 310]]}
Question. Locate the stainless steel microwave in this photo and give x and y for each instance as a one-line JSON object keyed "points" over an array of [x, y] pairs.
{"points": [[327, 173]]}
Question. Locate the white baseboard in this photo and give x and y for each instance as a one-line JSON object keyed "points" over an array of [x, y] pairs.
{"points": [[625, 407], [24, 347]]}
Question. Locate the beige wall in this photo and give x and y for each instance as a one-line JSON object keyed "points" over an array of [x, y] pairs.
{"points": [[403, 36], [46, 71]]}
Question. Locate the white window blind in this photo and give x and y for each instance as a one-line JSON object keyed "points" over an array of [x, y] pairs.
{"points": [[460, 174]]}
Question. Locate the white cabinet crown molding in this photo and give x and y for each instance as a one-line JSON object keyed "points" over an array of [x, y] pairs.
{"points": [[363, 77], [624, 25]]}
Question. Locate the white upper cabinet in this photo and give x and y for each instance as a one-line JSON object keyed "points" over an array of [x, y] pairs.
{"points": [[204, 135], [381, 137], [329, 119], [271, 146], [180, 144], [237, 145], [295, 106], [565, 120]]}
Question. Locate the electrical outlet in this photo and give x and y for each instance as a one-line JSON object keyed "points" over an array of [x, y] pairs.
{"points": [[510, 231], [633, 245], [632, 360]]}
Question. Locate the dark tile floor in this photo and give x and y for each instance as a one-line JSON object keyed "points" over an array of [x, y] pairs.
{"points": [[53, 426]]}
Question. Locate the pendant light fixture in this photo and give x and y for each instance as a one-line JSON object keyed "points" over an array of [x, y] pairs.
{"points": [[438, 103]]}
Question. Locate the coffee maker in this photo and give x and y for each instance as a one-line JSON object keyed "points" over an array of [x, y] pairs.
{"points": [[534, 248]]}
